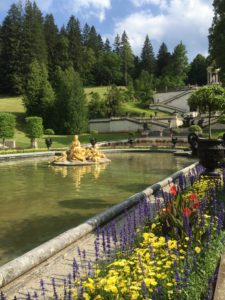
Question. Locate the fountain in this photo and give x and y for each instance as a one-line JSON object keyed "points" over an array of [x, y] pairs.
{"points": [[80, 156]]}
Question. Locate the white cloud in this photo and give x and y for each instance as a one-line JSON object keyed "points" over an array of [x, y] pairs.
{"points": [[178, 20], [139, 3], [89, 8]]}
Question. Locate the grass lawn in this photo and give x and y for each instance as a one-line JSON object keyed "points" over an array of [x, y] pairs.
{"points": [[101, 90], [133, 108], [60, 141], [13, 105]]}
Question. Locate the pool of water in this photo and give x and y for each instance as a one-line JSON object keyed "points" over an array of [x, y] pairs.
{"points": [[39, 201]]}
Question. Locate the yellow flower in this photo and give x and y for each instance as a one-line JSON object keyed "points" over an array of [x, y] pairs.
{"points": [[150, 281], [134, 296], [153, 226], [98, 297], [169, 284], [172, 244], [86, 296], [197, 249], [90, 284]]}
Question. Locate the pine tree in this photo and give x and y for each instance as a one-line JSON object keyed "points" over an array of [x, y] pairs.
{"points": [[127, 57], [34, 45], [163, 59], [107, 46], [179, 62], [62, 59], [51, 38], [85, 34], [198, 71], [117, 44], [94, 41], [11, 75], [38, 94], [75, 43], [217, 37], [147, 57], [70, 102]]}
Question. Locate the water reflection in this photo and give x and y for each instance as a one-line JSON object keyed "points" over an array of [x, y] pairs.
{"points": [[77, 173]]}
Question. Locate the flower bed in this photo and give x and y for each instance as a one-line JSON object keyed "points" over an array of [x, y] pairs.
{"points": [[171, 256]]}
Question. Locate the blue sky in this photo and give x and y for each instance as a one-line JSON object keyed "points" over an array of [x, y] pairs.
{"points": [[169, 21]]}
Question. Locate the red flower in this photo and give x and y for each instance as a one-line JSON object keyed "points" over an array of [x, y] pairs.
{"points": [[173, 190], [193, 198], [186, 212]]}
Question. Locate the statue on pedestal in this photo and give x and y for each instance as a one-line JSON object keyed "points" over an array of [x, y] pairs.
{"points": [[77, 155]]}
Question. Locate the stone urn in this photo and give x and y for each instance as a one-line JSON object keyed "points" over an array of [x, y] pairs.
{"points": [[209, 151]]}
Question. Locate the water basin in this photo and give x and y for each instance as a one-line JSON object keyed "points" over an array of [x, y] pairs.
{"points": [[39, 201]]}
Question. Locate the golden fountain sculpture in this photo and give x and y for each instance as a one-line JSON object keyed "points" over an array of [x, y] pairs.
{"points": [[80, 156]]}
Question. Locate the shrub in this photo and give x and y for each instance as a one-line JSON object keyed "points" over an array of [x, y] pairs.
{"points": [[34, 129], [49, 131], [7, 126], [195, 129]]}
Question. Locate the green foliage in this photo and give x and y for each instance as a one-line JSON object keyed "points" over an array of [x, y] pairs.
{"points": [[51, 37], [113, 102], [195, 129], [209, 99], [34, 44], [11, 75], [217, 37], [127, 57], [7, 126], [49, 131], [179, 62], [71, 110], [34, 127], [163, 59], [144, 89], [147, 57], [198, 71], [75, 47], [96, 107], [39, 96]]}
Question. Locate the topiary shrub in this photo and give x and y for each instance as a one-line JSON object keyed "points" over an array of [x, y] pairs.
{"points": [[49, 131], [195, 129]]}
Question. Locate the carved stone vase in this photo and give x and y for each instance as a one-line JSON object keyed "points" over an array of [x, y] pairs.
{"points": [[209, 151]]}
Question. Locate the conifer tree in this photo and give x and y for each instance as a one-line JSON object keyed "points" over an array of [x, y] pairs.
{"points": [[163, 59], [62, 59], [75, 43], [117, 44], [107, 46], [38, 95], [51, 37], [34, 44], [85, 34], [198, 71], [11, 75], [147, 57], [127, 58], [70, 102], [179, 63]]}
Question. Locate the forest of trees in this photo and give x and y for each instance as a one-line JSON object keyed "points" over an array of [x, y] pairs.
{"points": [[49, 65]]}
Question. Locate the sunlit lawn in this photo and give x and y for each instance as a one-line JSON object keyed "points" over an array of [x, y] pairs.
{"points": [[135, 109]]}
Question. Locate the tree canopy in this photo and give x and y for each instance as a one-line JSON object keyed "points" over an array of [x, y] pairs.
{"points": [[208, 99]]}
